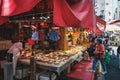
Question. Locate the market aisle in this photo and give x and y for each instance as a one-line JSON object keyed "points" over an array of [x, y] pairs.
{"points": [[113, 70], [115, 49]]}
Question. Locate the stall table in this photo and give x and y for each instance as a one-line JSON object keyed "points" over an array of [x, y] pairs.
{"points": [[57, 68]]}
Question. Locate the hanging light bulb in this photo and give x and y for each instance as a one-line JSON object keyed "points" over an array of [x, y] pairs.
{"points": [[33, 17], [41, 17], [48, 17]]}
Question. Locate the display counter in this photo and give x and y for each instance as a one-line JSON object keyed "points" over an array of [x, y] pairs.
{"points": [[56, 61], [51, 67]]}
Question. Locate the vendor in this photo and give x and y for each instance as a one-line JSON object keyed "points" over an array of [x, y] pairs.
{"points": [[13, 53]]}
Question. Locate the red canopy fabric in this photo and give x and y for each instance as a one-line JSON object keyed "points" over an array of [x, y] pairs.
{"points": [[3, 20], [101, 24], [74, 13], [14, 7], [81, 71], [115, 22]]}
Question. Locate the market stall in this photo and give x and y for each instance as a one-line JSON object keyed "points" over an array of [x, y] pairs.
{"points": [[55, 61], [111, 27], [52, 49]]}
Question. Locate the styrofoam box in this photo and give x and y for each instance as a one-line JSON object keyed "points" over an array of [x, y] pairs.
{"points": [[45, 76], [21, 73], [25, 72], [18, 74]]}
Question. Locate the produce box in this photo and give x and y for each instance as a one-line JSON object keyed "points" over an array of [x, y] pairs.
{"points": [[21, 73], [45, 76]]}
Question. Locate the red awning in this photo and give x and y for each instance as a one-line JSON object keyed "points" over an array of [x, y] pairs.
{"points": [[3, 20], [101, 24], [115, 22], [14, 7], [74, 13]]}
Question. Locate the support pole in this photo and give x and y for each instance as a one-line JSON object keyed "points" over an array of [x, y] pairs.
{"points": [[63, 43], [32, 68]]}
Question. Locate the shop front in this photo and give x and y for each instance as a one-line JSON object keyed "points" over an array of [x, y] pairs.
{"points": [[49, 44]]}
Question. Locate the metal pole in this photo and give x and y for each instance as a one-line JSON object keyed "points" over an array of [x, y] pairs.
{"points": [[33, 68]]}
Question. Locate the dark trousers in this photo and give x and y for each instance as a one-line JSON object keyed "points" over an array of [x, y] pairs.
{"points": [[102, 63], [54, 45], [9, 57]]}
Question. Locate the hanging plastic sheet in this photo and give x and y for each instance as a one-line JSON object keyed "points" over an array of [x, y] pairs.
{"points": [[3, 20], [14, 7], [74, 13], [101, 25]]}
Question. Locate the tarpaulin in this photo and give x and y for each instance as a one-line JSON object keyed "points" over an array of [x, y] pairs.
{"points": [[3, 20], [74, 13], [50, 4], [14, 7], [81, 71], [115, 22], [63, 15], [101, 24]]}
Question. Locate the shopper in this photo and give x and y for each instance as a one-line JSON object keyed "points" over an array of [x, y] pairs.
{"points": [[111, 52], [92, 46], [99, 55], [107, 42], [118, 54], [107, 56], [118, 50]]}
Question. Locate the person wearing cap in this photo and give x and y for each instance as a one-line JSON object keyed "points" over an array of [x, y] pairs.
{"points": [[99, 55]]}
